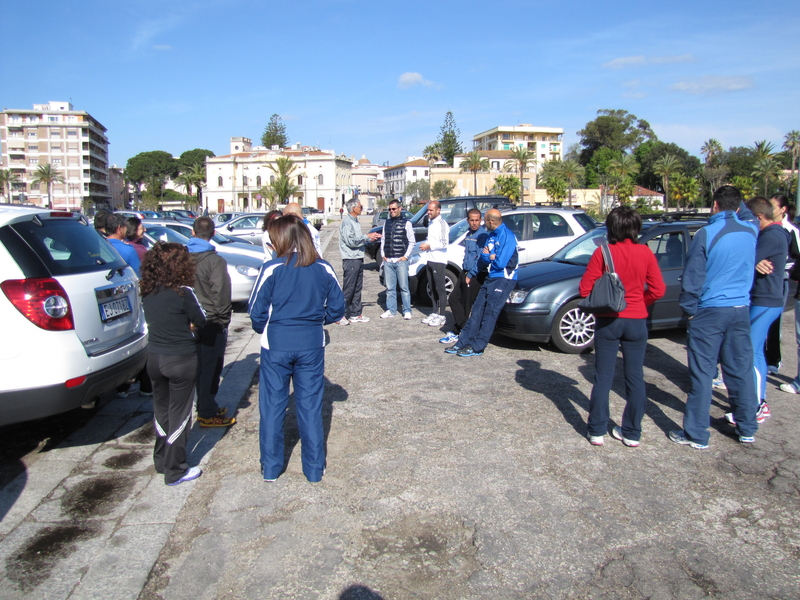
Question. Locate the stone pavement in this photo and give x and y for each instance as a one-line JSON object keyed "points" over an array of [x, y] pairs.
{"points": [[447, 478]]}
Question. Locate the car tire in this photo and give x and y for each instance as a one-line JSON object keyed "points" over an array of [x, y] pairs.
{"points": [[450, 282], [573, 330]]}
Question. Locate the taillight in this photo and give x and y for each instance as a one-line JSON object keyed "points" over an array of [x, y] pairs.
{"points": [[42, 301]]}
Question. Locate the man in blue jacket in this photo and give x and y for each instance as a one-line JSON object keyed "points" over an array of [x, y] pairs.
{"points": [[500, 255], [716, 296], [469, 282]]}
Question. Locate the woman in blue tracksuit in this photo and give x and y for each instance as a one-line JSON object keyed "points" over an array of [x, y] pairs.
{"points": [[295, 295]]}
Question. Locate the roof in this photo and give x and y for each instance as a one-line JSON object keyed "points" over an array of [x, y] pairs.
{"points": [[641, 191], [414, 163]]}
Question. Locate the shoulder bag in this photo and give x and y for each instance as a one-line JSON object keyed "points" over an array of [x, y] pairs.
{"points": [[608, 293]]}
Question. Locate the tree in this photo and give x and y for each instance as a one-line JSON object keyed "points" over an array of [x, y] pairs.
{"points": [[420, 190], [615, 129], [432, 153], [739, 160], [667, 166], [448, 143], [520, 157], [623, 169], [649, 153], [711, 151], [283, 188], [763, 149], [7, 180], [685, 189], [155, 163], [474, 163], [508, 186], [194, 158], [48, 175], [275, 133], [443, 189], [767, 169], [791, 143], [745, 185], [555, 185], [193, 177], [154, 192], [572, 173]]}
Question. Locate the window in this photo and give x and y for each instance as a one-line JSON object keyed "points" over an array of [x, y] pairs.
{"points": [[516, 223], [56, 161], [55, 148], [549, 225], [669, 250], [495, 165], [244, 180], [72, 133], [506, 136], [271, 179], [33, 147], [426, 172], [219, 181], [31, 134], [319, 179], [55, 133], [258, 180], [299, 180], [53, 119], [33, 161]]}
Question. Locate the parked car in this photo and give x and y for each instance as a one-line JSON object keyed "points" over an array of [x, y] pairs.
{"points": [[315, 216], [242, 269], [380, 217], [224, 217], [540, 232], [222, 243], [544, 305], [141, 214], [246, 226], [185, 214], [72, 319]]}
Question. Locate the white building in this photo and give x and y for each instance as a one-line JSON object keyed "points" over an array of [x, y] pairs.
{"points": [[396, 178], [72, 141], [234, 181], [545, 142], [368, 180]]}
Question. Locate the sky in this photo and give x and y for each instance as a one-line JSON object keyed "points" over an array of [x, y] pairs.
{"points": [[376, 78]]}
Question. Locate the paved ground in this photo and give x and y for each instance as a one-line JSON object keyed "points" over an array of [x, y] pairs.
{"points": [[447, 478]]}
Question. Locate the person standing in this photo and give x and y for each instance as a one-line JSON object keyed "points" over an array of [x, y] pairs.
{"points": [[213, 288], [116, 233], [397, 242], [296, 295], [436, 248], [269, 250], [469, 282], [638, 270], [715, 295], [500, 255], [172, 312], [133, 236], [295, 209], [351, 249]]}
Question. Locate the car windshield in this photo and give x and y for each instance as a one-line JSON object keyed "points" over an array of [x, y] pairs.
{"points": [[580, 250], [165, 234], [457, 230]]}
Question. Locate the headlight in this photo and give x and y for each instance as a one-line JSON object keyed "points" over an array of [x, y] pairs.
{"points": [[517, 296], [247, 271]]}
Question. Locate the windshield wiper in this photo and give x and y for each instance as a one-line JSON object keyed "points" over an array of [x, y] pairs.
{"points": [[571, 262]]}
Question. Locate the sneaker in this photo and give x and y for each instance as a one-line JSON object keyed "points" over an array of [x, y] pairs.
{"points": [[452, 349], [407, 316], [746, 439], [679, 437], [763, 413], [191, 473], [789, 388], [344, 321], [617, 434], [437, 321], [387, 315], [718, 383], [449, 338], [359, 319], [427, 319], [270, 480], [596, 440], [774, 369], [216, 421], [468, 350]]}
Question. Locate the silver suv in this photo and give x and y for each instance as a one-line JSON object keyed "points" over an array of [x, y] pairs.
{"points": [[73, 325]]}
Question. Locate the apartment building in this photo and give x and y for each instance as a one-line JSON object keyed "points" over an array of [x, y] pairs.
{"points": [[234, 181], [545, 142], [396, 178], [73, 142]]}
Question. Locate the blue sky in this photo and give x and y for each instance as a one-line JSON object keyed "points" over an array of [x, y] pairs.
{"points": [[377, 78]]}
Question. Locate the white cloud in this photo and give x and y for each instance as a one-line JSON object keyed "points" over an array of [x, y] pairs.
{"points": [[148, 30], [642, 60], [710, 84], [409, 80]]}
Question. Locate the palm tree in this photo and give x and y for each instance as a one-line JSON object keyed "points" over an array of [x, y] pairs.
{"points": [[763, 149], [198, 175], [521, 157], [711, 150], [283, 188], [686, 189], [791, 143], [7, 180], [667, 166], [508, 186], [432, 153], [623, 168], [473, 164], [571, 171], [48, 175], [767, 168]]}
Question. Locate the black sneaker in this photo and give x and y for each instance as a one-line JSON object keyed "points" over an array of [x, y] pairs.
{"points": [[452, 349], [468, 351]]}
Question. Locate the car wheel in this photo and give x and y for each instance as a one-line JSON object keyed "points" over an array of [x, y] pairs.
{"points": [[450, 282], [573, 329]]}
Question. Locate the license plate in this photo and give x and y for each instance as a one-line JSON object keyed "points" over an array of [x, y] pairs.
{"points": [[115, 308]]}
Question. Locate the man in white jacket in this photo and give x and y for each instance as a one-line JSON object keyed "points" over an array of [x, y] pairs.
{"points": [[436, 247]]}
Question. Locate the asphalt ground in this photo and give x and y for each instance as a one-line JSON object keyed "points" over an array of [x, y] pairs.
{"points": [[447, 477]]}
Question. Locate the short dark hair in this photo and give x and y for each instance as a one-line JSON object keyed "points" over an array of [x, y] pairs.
{"points": [[203, 228], [132, 224], [761, 206], [728, 198], [114, 222], [270, 216], [100, 220], [394, 202], [289, 234], [473, 210], [623, 223]]}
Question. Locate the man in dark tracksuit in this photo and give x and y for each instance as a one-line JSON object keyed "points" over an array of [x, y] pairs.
{"points": [[716, 296], [213, 289]]}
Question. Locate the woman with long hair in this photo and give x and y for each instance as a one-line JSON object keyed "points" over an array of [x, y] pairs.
{"points": [[172, 312], [295, 295], [269, 249], [637, 268]]}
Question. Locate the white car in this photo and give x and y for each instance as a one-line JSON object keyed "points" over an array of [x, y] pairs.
{"points": [[540, 232], [223, 243], [73, 325]]}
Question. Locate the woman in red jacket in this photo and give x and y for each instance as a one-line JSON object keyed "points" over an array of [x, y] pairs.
{"points": [[639, 272]]}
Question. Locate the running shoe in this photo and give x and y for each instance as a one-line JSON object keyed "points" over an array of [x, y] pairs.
{"points": [[359, 319], [407, 316], [617, 434], [449, 338], [468, 350], [596, 440], [216, 421], [387, 315], [789, 388], [191, 473], [679, 437]]}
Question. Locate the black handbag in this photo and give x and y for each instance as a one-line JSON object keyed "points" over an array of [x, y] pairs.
{"points": [[608, 293]]}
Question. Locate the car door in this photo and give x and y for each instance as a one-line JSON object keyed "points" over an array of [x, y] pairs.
{"points": [[519, 225], [248, 228], [670, 249], [549, 233]]}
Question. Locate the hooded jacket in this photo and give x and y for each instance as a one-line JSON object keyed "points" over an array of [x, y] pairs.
{"points": [[212, 282]]}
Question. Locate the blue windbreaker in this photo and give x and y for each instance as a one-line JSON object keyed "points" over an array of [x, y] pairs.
{"points": [[473, 244], [503, 244]]}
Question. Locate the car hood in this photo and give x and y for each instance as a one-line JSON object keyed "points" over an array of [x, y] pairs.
{"points": [[545, 272]]}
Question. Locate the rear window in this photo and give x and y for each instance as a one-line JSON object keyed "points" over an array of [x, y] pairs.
{"points": [[64, 246], [585, 221]]}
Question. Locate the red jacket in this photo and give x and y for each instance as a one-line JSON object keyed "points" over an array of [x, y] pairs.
{"points": [[636, 266]]}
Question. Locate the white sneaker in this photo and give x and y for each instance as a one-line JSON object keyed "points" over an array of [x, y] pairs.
{"points": [[407, 316], [427, 319], [788, 388], [596, 440], [344, 321], [387, 315], [359, 319]]}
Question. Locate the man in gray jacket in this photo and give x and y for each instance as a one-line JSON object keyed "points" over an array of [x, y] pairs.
{"points": [[213, 289], [351, 248]]}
